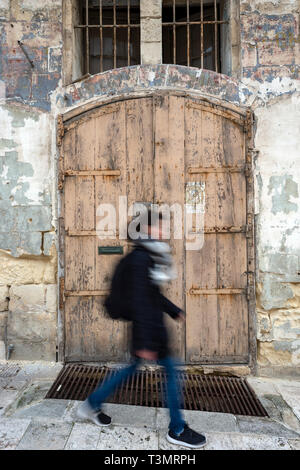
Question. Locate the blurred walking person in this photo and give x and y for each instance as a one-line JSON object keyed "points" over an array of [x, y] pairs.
{"points": [[148, 267]]}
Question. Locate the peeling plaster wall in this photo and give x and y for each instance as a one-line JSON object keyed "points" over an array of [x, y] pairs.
{"points": [[28, 255], [30, 100], [270, 59]]}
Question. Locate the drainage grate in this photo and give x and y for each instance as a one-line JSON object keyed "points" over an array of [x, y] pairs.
{"points": [[148, 388], [8, 370]]}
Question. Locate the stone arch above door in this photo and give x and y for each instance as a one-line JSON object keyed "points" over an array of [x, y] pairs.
{"points": [[144, 79]]}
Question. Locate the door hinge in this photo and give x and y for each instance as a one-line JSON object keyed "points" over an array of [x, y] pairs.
{"points": [[60, 130], [249, 230], [249, 124], [247, 169], [61, 175], [60, 134], [250, 292]]}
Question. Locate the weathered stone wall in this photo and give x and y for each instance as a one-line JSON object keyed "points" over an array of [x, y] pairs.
{"points": [[270, 67], [151, 31], [28, 256], [265, 66]]}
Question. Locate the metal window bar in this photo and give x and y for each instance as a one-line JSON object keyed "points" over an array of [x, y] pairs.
{"points": [[188, 32], [101, 37], [114, 26], [216, 37], [115, 35], [128, 32], [202, 36], [87, 36], [188, 23], [174, 30]]}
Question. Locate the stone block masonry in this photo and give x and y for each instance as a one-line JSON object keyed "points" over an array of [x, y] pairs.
{"points": [[151, 31]]}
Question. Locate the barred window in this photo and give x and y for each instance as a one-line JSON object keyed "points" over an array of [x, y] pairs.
{"points": [[192, 32], [101, 35], [109, 33]]}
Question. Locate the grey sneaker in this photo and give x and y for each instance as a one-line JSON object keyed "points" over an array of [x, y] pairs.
{"points": [[85, 411]]}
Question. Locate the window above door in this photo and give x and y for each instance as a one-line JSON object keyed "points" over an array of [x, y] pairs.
{"points": [[108, 32], [191, 33], [101, 35]]}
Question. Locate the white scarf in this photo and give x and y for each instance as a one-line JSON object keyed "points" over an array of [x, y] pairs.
{"points": [[160, 252]]}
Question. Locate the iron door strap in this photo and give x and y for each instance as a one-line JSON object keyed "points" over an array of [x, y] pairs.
{"points": [[216, 291]]}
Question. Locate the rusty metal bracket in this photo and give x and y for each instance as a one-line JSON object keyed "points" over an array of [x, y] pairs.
{"points": [[216, 291], [247, 169], [60, 130], [104, 172], [26, 54], [249, 124], [249, 229], [61, 176]]}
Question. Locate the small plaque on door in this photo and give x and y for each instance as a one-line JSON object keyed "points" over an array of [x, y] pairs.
{"points": [[110, 250]]}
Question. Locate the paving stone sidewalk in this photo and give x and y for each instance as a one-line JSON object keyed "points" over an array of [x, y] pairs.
{"points": [[30, 422]]}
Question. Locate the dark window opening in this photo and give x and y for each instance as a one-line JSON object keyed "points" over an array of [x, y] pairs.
{"points": [[191, 33], [109, 33]]}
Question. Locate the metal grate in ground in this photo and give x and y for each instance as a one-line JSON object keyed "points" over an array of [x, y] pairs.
{"points": [[148, 388], [9, 370]]}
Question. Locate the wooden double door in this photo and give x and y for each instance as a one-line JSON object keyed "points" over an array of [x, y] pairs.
{"points": [[153, 149]]}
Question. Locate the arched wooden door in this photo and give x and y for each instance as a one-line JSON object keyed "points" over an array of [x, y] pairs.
{"points": [[151, 149]]}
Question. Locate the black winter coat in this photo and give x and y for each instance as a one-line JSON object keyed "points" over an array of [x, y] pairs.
{"points": [[147, 304]]}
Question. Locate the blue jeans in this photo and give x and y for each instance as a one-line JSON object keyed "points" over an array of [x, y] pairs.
{"points": [[177, 422]]}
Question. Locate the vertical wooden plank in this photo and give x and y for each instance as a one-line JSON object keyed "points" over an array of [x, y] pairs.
{"points": [[203, 328], [110, 153], [81, 155], [88, 337], [68, 148], [202, 324], [234, 337], [85, 199], [193, 136], [78, 327], [79, 205], [213, 332], [139, 144], [233, 143], [169, 189], [70, 203], [231, 199], [79, 263], [231, 187], [110, 145], [209, 141], [232, 260], [201, 265]]}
